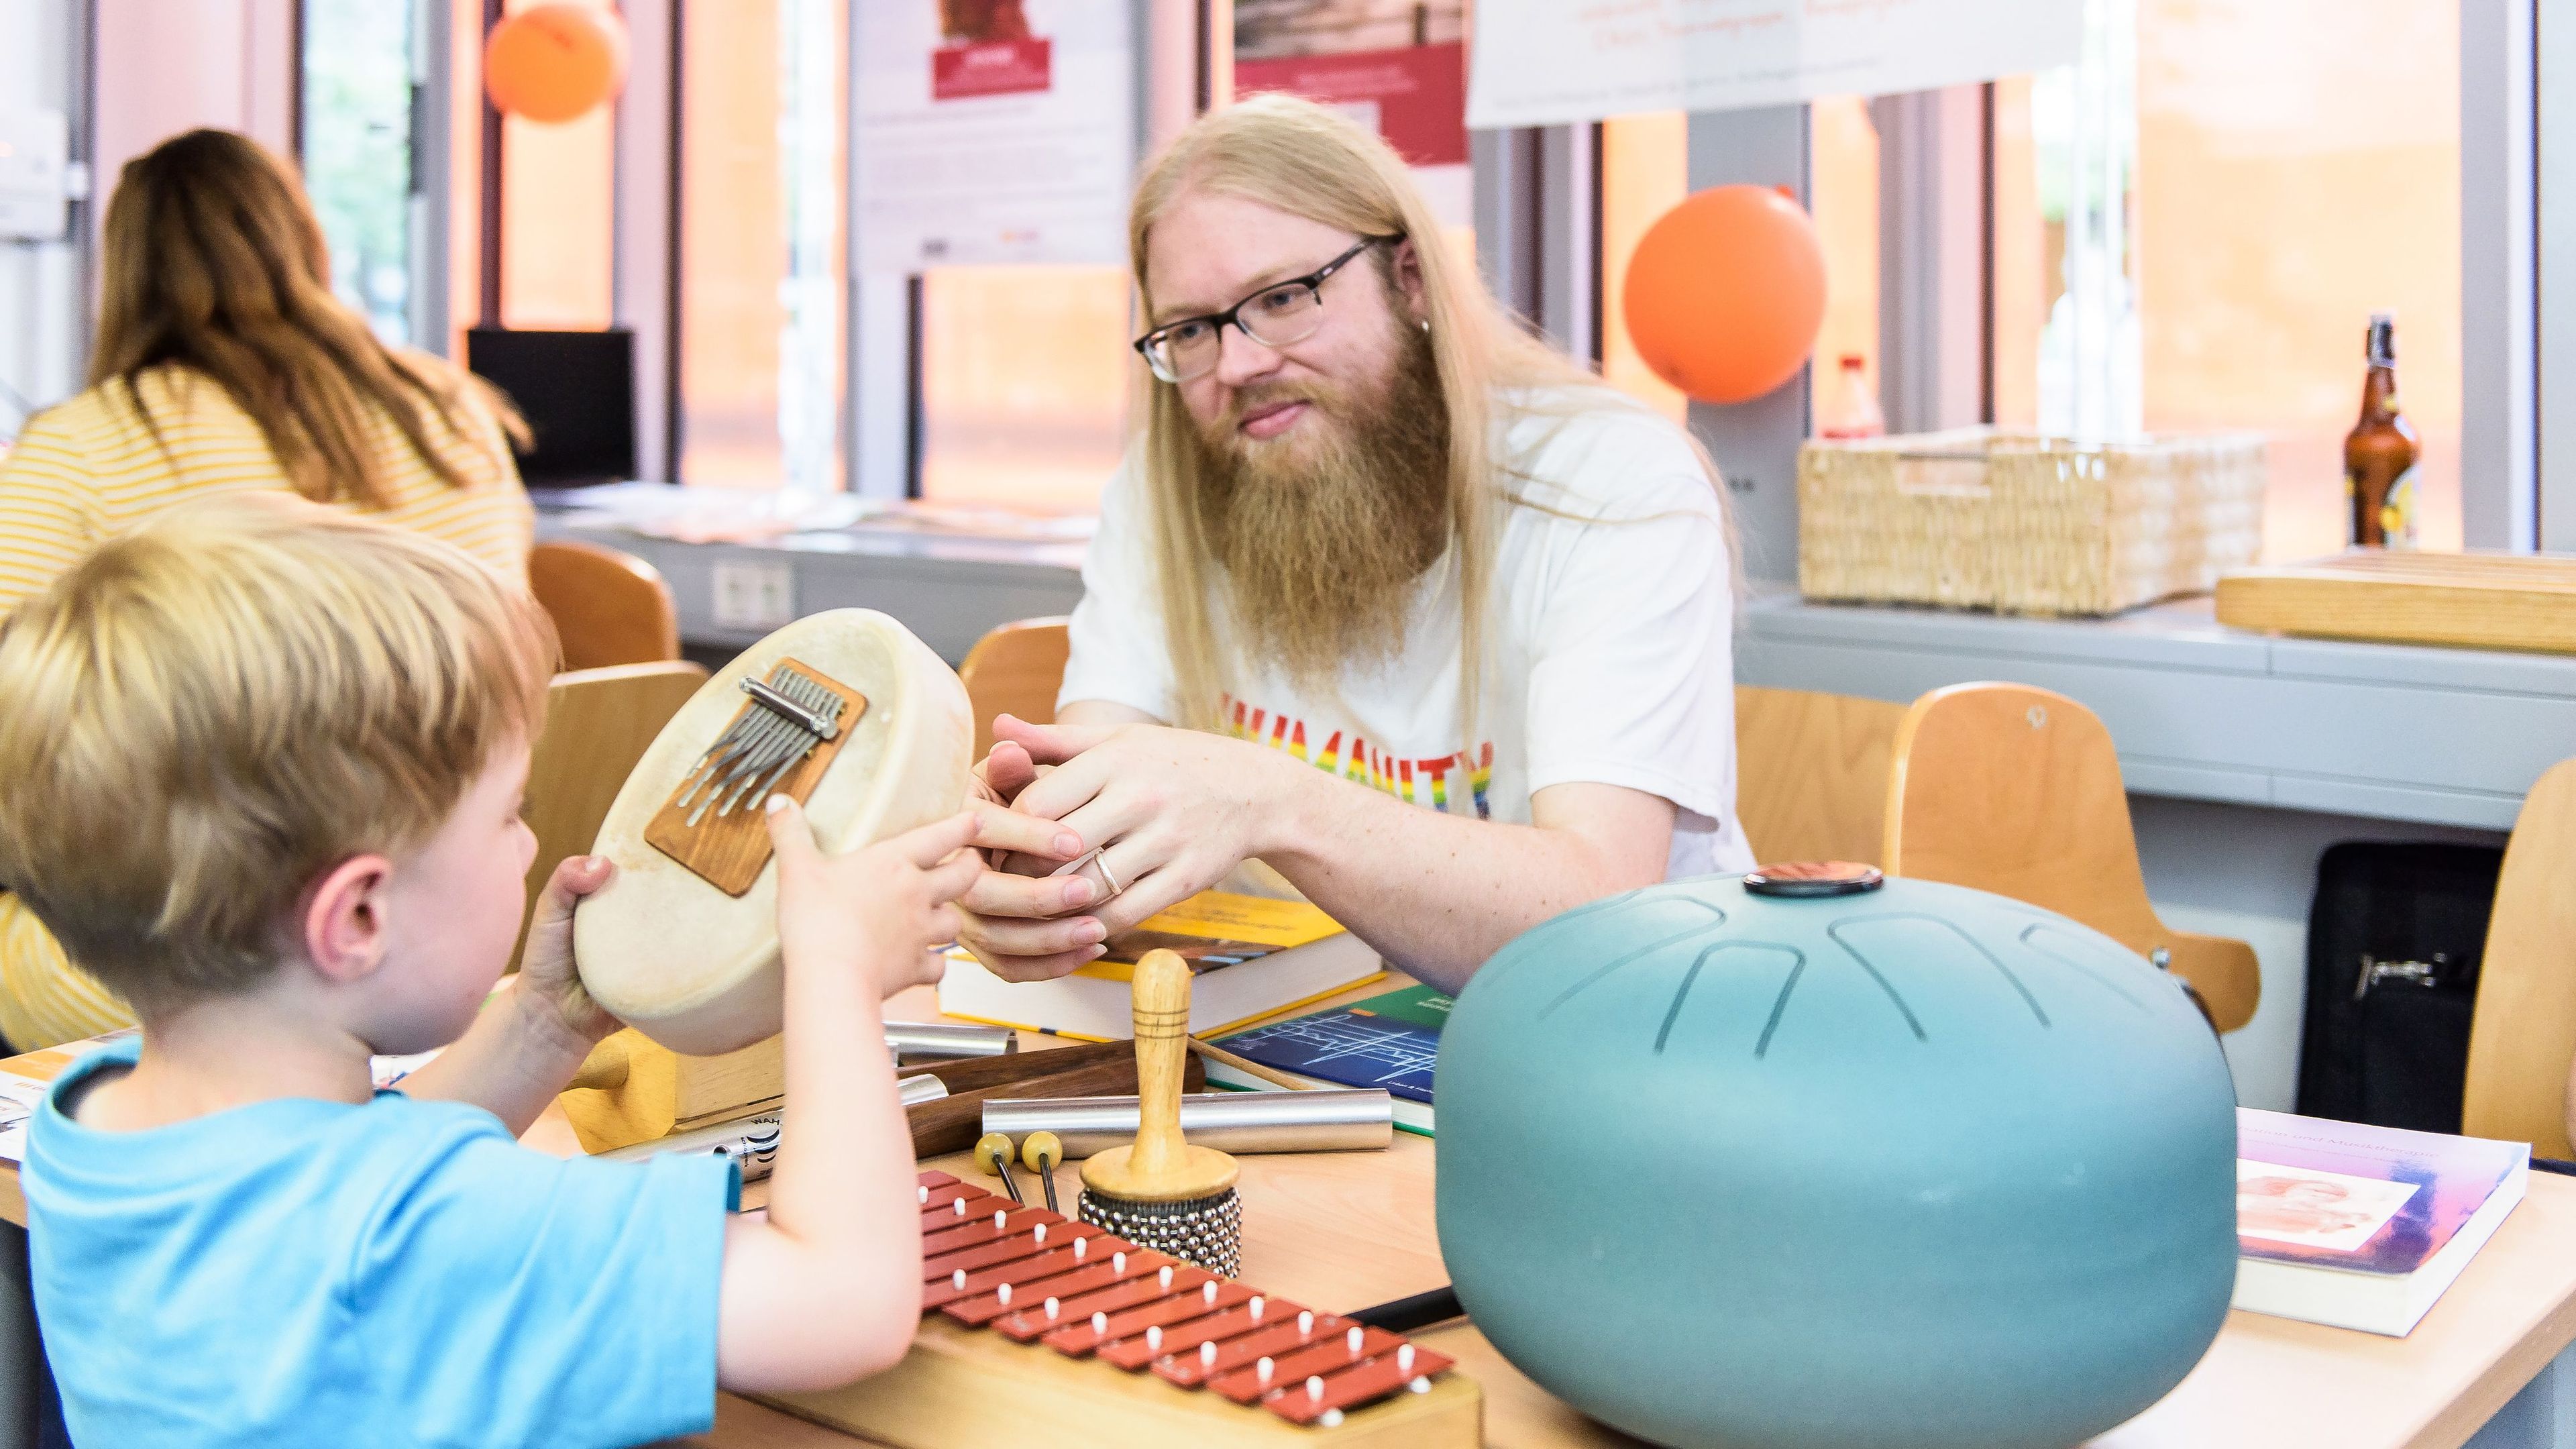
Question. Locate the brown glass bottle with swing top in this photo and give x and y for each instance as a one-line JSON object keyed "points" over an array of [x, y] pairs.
{"points": [[2379, 453]]}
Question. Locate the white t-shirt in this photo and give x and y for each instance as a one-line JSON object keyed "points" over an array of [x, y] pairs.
{"points": [[1611, 653]]}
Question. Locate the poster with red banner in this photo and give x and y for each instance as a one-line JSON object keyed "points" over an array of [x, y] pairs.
{"points": [[991, 68], [1398, 67], [993, 131]]}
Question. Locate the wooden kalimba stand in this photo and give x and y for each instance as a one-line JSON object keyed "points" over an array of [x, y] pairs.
{"points": [[1039, 1329]]}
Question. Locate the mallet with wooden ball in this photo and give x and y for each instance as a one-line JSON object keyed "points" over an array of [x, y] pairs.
{"points": [[993, 1154], [1162, 1192], [1042, 1151]]}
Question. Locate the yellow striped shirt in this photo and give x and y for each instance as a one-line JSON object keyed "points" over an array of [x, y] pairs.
{"points": [[90, 469]]}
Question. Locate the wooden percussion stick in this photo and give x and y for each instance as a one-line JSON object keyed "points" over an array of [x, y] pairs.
{"points": [[1246, 1065]]}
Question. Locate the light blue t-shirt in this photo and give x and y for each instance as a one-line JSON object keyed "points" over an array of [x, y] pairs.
{"points": [[400, 1273]]}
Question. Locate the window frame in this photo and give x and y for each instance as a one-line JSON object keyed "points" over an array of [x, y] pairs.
{"points": [[2513, 226], [2518, 476]]}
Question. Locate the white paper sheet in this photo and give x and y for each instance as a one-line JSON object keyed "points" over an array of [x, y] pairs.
{"points": [[1539, 63]]}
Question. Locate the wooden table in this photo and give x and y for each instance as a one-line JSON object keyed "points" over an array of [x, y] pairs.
{"points": [[1348, 1229]]}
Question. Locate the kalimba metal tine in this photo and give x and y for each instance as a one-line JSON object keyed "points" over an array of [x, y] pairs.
{"points": [[759, 788], [779, 697], [716, 757], [803, 692], [757, 781], [740, 736], [795, 714], [769, 734], [820, 698]]}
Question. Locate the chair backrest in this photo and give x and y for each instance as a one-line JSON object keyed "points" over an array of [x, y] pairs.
{"points": [[609, 607], [1015, 669], [598, 724], [2017, 791], [2523, 1035], [1811, 772]]}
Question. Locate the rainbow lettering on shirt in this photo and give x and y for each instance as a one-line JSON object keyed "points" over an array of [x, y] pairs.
{"points": [[1447, 783]]}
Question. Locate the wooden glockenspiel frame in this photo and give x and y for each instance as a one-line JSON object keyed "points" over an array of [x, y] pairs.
{"points": [[1036, 1326]]}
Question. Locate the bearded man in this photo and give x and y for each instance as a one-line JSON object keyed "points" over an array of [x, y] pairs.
{"points": [[1388, 596]]}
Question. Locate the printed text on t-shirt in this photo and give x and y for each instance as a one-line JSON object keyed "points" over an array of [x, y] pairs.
{"points": [[1445, 783]]}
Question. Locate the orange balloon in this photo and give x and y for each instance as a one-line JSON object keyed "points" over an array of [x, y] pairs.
{"points": [[1726, 293], [553, 62]]}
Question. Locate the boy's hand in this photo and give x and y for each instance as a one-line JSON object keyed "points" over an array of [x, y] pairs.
{"points": [[880, 912], [547, 973]]}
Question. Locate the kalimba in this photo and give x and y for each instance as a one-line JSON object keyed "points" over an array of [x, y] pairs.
{"points": [[845, 711], [1038, 1328]]}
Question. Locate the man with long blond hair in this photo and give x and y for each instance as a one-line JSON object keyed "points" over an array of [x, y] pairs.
{"points": [[1388, 595]]}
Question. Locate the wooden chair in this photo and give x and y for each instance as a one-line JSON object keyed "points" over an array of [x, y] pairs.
{"points": [[598, 724], [608, 607], [2524, 1033], [1015, 669], [2017, 791], [1811, 773]]}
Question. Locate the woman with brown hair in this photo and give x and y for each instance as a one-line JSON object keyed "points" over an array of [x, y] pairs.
{"points": [[222, 362]]}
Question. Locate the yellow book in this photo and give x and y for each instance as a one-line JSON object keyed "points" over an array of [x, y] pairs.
{"points": [[1250, 957]]}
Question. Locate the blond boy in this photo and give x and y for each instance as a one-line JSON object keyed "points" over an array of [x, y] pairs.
{"points": [[263, 770]]}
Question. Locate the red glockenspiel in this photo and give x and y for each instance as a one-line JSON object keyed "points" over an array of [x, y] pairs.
{"points": [[1031, 1319]]}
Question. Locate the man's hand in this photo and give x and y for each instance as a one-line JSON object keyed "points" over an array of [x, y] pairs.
{"points": [[548, 977], [1177, 810]]}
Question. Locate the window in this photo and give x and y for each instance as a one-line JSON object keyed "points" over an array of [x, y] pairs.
{"points": [[557, 217], [1842, 193], [1645, 172], [764, 122], [1024, 384], [2193, 225], [356, 139]]}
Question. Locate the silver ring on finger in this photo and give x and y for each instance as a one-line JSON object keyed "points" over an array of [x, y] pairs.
{"points": [[1093, 865]]}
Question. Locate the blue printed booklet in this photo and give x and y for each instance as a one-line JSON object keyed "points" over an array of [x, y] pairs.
{"points": [[1390, 1041]]}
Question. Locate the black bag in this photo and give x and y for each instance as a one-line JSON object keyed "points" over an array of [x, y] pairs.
{"points": [[2393, 945]]}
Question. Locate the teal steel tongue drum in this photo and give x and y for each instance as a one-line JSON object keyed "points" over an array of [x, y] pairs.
{"points": [[1805, 1158]]}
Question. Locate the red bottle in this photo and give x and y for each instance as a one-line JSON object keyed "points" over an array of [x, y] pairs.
{"points": [[1852, 411]]}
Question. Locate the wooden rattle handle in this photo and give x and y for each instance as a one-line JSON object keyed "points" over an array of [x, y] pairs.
{"points": [[1160, 1166], [1162, 1015]]}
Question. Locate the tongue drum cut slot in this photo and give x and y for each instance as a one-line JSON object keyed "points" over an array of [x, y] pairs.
{"points": [[781, 743]]}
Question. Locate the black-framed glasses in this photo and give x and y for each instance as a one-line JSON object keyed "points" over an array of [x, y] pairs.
{"points": [[1277, 315]]}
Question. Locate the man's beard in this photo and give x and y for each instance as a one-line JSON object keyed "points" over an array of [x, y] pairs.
{"points": [[1324, 537]]}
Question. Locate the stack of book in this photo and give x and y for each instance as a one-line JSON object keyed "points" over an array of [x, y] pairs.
{"points": [[1249, 956]]}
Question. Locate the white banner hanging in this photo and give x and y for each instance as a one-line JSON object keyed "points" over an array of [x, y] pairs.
{"points": [[993, 132], [1546, 63]]}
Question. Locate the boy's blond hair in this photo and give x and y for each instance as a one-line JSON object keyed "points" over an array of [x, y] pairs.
{"points": [[206, 714]]}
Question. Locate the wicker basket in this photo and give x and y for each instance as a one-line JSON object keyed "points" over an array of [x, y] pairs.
{"points": [[1980, 519]]}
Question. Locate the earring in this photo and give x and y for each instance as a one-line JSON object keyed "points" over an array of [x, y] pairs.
{"points": [[1425, 324]]}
